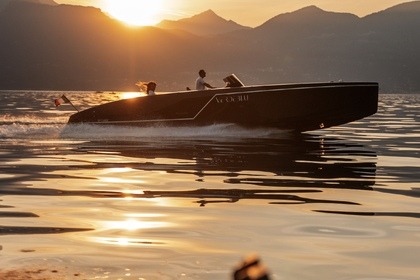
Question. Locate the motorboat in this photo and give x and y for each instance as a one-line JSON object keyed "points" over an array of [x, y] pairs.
{"points": [[298, 106]]}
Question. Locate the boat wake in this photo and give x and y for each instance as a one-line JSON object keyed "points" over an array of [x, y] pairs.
{"points": [[220, 131], [38, 128], [30, 131], [30, 126], [52, 125]]}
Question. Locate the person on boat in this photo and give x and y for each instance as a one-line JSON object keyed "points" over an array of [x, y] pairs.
{"points": [[150, 88], [147, 87], [200, 84]]}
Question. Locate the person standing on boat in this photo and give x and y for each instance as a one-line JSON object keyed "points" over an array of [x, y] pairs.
{"points": [[200, 84]]}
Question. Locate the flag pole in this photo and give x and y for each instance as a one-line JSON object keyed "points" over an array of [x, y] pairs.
{"points": [[74, 106]]}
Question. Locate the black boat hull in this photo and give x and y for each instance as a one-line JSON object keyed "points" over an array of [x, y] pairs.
{"points": [[299, 107]]}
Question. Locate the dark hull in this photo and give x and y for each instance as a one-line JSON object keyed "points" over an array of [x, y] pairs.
{"points": [[298, 107]]}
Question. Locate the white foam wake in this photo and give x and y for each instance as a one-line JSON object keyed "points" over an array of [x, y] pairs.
{"points": [[95, 132]]}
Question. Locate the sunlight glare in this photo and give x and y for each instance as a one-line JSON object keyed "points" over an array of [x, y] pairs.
{"points": [[125, 241], [135, 12], [128, 95], [134, 224], [116, 180]]}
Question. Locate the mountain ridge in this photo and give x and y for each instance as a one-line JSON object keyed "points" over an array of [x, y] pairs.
{"points": [[205, 23], [43, 48], [4, 3]]}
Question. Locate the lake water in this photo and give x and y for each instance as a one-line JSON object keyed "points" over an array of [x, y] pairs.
{"points": [[87, 202]]}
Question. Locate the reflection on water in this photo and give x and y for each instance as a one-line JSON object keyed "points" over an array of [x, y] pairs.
{"points": [[185, 203], [280, 170]]}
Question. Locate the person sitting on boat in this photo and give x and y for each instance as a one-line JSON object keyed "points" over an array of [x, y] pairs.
{"points": [[148, 87], [151, 87], [200, 84]]}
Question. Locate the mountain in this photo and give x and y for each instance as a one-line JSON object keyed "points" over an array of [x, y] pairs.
{"points": [[74, 47], [391, 44], [4, 3], [310, 19], [66, 47], [316, 45], [45, 2], [206, 23], [304, 38]]}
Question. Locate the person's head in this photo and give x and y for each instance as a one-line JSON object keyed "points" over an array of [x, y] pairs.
{"points": [[151, 86], [202, 73]]}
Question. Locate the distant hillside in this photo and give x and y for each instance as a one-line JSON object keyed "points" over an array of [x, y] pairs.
{"points": [[4, 3], [206, 23], [80, 48]]}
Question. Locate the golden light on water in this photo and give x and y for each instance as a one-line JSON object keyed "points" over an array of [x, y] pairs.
{"points": [[133, 224], [135, 12], [115, 176], [126, 241], [117, 170], [116, 180], [128, 95], [122, 230]]}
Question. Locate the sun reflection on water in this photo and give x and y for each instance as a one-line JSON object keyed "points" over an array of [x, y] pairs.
{"points": [[128, 95], [131, 230], [126, 241], [121, 181], [133, 224]]}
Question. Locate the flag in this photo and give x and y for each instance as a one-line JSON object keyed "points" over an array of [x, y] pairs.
{"points": [[63, 99]]}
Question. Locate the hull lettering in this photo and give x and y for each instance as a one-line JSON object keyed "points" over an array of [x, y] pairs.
{"points": [[232, 99]]}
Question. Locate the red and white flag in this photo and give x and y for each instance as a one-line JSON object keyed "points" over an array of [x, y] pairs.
{"points": [[63, 99]]}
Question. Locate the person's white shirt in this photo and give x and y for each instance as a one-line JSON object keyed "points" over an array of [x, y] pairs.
{"points": [[151, 92], [199, 84]]}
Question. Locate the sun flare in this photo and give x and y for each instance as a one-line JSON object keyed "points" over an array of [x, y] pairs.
{"points": [[135, 12]]}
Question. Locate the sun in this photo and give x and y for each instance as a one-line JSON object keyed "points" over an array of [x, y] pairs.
{"points": [[134, 12]]}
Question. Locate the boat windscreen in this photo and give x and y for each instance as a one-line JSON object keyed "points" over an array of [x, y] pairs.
{"points": [[233, 81]]}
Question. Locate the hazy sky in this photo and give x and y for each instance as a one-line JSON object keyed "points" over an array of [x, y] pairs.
{"points": [[246, 12]]}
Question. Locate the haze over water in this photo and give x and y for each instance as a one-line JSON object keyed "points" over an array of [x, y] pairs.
{"points": [[89, 202]]}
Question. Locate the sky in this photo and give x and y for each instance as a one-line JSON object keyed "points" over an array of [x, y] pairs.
{"points": [[246, 12]]}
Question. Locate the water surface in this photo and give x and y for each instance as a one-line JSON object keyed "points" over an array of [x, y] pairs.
{"points": [[91, 202]]}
